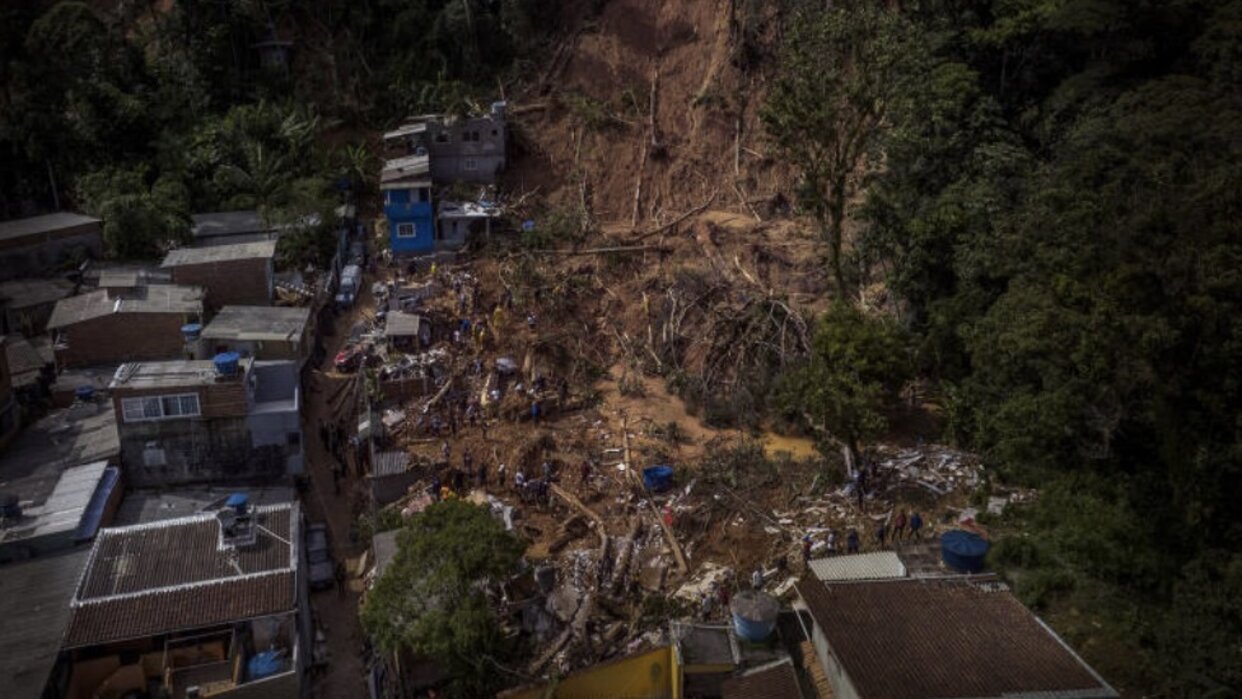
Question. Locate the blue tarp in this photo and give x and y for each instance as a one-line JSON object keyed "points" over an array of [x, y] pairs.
{"points": [[93, 516], [265, 664], [658, 478]]}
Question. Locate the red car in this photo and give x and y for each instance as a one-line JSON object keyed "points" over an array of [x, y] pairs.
{"points": [[351, 357]]}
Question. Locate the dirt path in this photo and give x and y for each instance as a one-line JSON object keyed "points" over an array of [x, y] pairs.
{"points": [[336, 611]]}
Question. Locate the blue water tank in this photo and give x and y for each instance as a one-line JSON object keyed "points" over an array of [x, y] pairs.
{"points": [[963, 551], [84, 392], [191, 331], [658, 478], [754, 615], [238, 501], [226, 363]]}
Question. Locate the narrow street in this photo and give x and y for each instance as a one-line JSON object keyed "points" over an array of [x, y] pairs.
{"points": [[336, 611]]}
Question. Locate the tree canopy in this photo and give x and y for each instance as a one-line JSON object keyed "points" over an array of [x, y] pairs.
{"points": [[858, 364], [433, 599]]}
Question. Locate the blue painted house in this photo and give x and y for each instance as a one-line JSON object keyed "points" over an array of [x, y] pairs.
{"points": [[406, 184]]}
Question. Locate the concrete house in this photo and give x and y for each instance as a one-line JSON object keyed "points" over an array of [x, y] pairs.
{"points": [[262, 332], [406, 186], [113, 325], [241, 274], [456, 221], [32, 246], [462, 149], [211, 604], [194, 421], [957, 637]]}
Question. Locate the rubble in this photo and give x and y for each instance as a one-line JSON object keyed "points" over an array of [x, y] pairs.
{"points": [[601, 543]]}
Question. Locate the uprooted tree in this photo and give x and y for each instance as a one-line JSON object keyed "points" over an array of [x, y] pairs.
{"points": [[433, 598]]}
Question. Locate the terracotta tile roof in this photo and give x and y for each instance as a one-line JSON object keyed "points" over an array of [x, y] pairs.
{"points": [[176, 574], [778, 681], [165, 611], [907, 639]]}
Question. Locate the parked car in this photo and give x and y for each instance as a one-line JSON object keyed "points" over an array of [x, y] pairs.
{"points": [[322, 573], [351, 357], [351, 282]]}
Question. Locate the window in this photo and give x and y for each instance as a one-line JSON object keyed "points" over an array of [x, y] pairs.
{"points": [[470, 165], [442, 137], [424, 194], [468, 136], [159, 407], [406, 230]]}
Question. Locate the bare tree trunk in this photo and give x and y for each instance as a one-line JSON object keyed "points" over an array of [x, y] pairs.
{"points": [[836, 234]]}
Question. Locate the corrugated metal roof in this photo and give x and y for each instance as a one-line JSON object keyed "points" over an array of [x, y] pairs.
{"points": [[405, 130], [390, 463], [401, 324], [859, 566], [220, 253], [944, 637], [410, 171], [45, 468]]}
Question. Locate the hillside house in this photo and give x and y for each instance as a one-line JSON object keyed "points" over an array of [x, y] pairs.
{"points": [[33, 246], [959, 637], [211, 604], [456, 221], [406, 186], [119, 324], [461, 149], [222, 420], [262, 332], [241, 274]]}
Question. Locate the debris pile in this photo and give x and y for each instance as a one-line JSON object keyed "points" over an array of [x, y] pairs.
{"points": [[624, 529]]}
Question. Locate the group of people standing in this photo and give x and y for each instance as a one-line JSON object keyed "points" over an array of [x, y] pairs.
{"points": [[905, 525]]}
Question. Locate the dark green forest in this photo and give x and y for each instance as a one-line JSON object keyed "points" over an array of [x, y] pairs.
{"points": [[1050, 191], [1057, 210], [142, 113]]}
